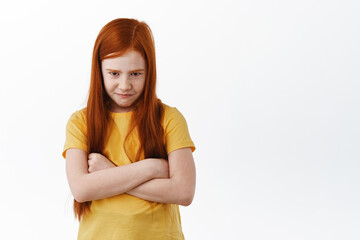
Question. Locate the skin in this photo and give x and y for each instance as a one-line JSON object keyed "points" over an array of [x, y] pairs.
{"points": [[177, 188], [108, 182], [93, 176], [124, 79]]}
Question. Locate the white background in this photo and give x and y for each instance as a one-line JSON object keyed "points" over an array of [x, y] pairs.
{"points": [[270, 91]]}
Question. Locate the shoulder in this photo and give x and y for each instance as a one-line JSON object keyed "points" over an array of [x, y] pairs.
{"points": [[171, 114], [176, 130], [76, 134], [173, 118], [78, 118], [79, 114]]}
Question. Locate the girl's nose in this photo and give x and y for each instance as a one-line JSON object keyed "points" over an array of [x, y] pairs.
{"points": [[124, 83]]}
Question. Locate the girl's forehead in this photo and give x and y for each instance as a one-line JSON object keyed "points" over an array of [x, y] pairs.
{"points": [[130, 59], [126, 53]]}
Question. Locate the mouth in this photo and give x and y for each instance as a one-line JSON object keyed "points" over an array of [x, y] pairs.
{"points": [[124, 95]]}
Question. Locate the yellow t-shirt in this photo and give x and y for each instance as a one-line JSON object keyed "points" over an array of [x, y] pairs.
{"points": [[125, 216]]}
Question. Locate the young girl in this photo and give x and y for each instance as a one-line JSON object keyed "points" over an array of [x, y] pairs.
{"points": [[129, 159]]}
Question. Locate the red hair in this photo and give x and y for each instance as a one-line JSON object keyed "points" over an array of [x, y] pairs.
{"points": [[115, 38]]}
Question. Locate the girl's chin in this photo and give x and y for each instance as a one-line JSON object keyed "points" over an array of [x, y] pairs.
{"points": [[122, 108]]}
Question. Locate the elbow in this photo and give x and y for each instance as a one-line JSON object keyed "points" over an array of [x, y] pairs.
{"points": [[79, 193], [186, 198], [186, 202], [185, 192], [80, 198]]}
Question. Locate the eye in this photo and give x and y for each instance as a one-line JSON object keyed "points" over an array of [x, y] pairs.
{"points": [[136, 74], [114, 74]]}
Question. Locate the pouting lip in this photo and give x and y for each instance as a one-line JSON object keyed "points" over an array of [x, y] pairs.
{"points": [[125, 95]]}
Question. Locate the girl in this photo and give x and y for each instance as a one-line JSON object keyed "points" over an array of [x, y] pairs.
{"points": [[129, 160]]}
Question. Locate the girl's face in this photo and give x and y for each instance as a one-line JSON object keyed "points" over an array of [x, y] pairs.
{"points": [[124, 80]]}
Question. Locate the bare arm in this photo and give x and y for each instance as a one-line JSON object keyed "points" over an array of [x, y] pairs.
{"points": [[179, 188], [108, 182]]}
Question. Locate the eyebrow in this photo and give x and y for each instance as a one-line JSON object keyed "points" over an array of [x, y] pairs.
{"points": [[118, 71]]}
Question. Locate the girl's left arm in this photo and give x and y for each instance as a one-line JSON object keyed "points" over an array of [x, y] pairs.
{"points": [[179, 188]]}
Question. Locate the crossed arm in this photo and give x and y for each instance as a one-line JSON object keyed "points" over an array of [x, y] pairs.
{"points": [[95, 177]]}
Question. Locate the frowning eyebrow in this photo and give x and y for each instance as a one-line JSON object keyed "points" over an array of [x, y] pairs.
{"points": [[118, 71]]}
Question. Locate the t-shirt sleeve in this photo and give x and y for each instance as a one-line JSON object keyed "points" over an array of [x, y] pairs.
{"points": [[176, 131], [75, 133]]}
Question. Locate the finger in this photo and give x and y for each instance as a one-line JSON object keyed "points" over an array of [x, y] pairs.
{"points": [[93, 155]]}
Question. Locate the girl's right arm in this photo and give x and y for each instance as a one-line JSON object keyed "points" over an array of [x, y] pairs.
{"points": [[109, 182]]}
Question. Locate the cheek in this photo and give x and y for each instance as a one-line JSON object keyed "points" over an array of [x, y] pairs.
{"points": [[108, 85], [140, 85]]}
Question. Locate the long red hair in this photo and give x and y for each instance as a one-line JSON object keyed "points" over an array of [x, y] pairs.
{"points": [[115, 38]]}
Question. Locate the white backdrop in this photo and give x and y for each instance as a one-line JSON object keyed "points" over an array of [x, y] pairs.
{"points": [[270, 91]]}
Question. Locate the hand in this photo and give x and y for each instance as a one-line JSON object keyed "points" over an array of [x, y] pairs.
{"points": [[161, 167], [98, 162]]}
